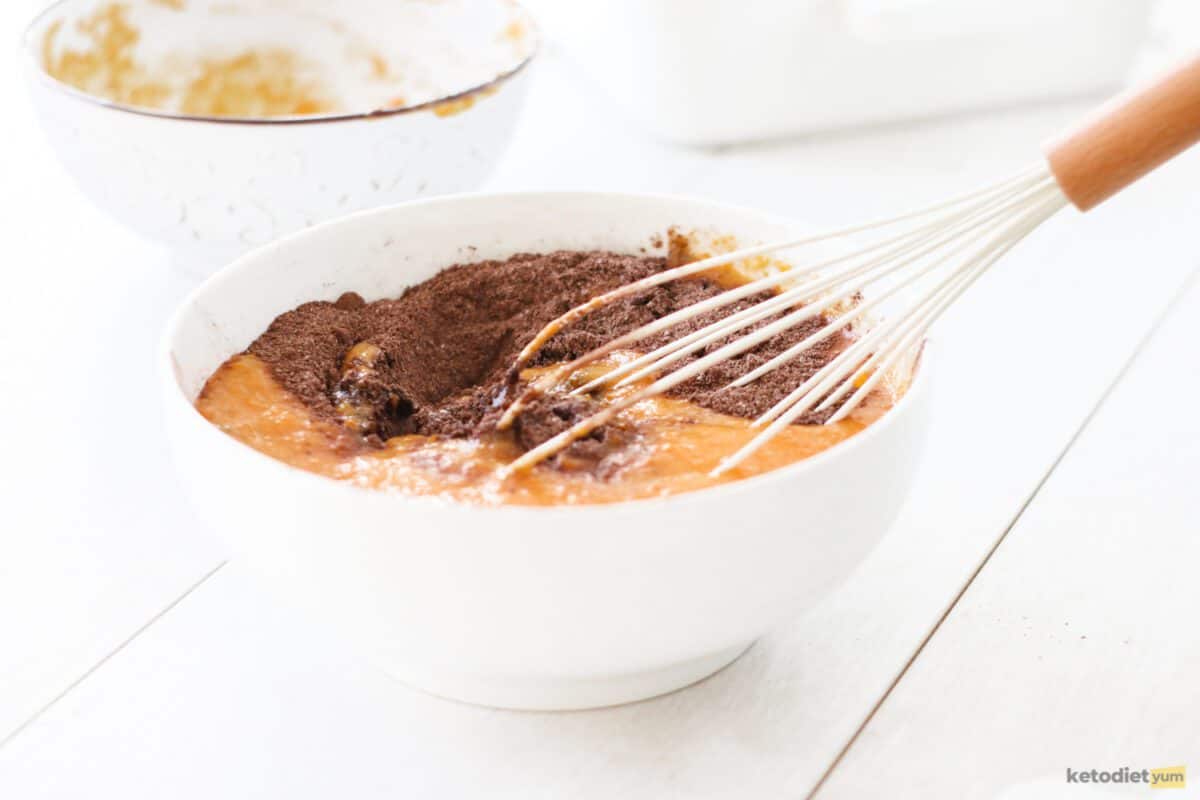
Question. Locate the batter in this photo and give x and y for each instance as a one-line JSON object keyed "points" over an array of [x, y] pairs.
{"points": [[404, 394]]}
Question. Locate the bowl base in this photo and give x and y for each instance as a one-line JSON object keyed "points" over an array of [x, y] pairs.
{"points": [[553, 693]]}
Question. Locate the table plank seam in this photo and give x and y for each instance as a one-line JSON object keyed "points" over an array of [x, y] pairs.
{"points": [[32, 718], [1180, 293]]}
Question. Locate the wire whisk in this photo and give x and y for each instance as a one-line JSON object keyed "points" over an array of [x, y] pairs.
{"points": [[915, 265]]}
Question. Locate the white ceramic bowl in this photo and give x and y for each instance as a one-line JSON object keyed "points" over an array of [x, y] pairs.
{"points": [[212, 187], [541, 608]]}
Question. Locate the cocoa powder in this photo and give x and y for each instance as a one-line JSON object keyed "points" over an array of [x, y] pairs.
{"points": [[442, 350]]}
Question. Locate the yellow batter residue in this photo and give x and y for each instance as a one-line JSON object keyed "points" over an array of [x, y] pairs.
{"points": [[457, 105], [260, 83], [106, 67], [268, 82], [675, 445]]}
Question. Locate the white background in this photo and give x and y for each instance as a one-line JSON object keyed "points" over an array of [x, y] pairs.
{"points": [[1032, 610]]}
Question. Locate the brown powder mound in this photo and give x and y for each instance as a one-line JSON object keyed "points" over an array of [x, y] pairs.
{"points": [[434, 361]]}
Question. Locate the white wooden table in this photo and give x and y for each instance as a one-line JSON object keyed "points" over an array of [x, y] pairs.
{"points": [[1033, 610]]}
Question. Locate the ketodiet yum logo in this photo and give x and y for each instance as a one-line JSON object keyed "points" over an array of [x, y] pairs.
{"points": [[1159, 778]]}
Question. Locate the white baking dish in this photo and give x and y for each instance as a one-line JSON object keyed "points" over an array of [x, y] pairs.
{"points": [[719, 71]]}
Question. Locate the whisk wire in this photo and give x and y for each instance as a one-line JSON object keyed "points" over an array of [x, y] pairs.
{"points": [[973, 218], [903, 335], [656, 360], [868, 306], [960, 239], [550, 330], [789, 297]]}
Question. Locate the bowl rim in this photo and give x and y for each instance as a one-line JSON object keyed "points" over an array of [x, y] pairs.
{"points": [[35, 66], [175, 394]]}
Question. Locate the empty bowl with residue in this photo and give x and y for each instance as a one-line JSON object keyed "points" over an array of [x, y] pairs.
{"points": [[214, 126]]}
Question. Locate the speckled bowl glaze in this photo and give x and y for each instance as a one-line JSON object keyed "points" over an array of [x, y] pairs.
{"points": [[211, 187], [521, 607]]}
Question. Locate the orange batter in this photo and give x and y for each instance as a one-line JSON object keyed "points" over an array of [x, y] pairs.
{"points": [[675, 445]]}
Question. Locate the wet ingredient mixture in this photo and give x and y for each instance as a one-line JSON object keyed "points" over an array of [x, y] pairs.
{"points": [[404, 394]]}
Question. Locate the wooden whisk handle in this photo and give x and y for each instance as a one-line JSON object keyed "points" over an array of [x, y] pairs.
{"points": [[1128, 137]]}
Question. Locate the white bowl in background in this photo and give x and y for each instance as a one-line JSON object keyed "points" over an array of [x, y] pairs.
{"points": [[537, 608], [212, 187]]}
